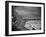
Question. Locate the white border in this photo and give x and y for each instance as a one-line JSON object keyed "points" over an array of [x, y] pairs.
{"points": [[24, 32]]}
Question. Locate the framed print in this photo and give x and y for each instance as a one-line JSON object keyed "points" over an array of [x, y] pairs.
{"points": [[24, 18]]}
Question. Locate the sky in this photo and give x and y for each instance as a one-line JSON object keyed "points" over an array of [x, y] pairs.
{"points": [[26, 11]]}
